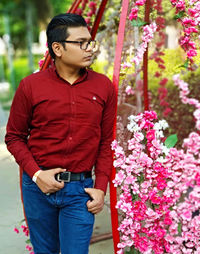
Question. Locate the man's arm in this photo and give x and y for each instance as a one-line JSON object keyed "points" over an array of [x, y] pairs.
{"points": [[103, 165], [17, 131], [16, 139]]}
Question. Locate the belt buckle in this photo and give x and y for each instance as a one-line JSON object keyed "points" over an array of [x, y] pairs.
{"points": [[64, 176]]}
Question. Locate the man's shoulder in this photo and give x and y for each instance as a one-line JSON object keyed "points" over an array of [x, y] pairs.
{"points": [[36, 76], [99, 76]]}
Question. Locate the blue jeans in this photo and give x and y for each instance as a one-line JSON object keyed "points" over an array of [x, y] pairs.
{"points": [[59, 221]]}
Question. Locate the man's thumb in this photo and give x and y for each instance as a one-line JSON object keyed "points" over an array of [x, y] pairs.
{"points": [[59, 170], [87, 190]]}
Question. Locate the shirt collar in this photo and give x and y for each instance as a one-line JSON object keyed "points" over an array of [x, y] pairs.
{"points": [[83, 72]]}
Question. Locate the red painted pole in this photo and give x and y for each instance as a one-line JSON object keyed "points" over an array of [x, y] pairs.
{"points": [[116, 72], [98, 18], [145, 61]]}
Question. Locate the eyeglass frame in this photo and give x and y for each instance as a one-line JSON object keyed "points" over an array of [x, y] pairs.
{"points": [[80, 43]]}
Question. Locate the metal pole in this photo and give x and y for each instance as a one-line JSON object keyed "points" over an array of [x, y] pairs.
{"points": [[9, 50], [116, 72], [145, 61]]}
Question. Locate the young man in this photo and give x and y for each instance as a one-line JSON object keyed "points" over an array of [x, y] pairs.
{"points": [[60, 127]]}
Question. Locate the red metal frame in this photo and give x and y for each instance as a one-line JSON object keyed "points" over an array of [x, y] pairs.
{"points": [[98, 18], [116, 72]]}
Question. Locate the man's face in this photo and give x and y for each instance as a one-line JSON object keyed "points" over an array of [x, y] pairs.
{"points": [[73, 55]]}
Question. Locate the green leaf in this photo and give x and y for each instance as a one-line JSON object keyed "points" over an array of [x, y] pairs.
{"points": [[179, 228], [140, 178], [135, 197], [171, 141], [28, 241], [132, 251], [185, 65], [179, 15], [138, 22], [22, 221]]}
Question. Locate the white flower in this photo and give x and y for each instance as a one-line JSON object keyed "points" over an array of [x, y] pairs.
{"points": [[133, 127], [161, 159], [161, 125], [165, 149], [159, 134]]}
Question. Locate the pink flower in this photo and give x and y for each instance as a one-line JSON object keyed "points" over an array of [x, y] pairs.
{"points": [[129, 90], [186, 215], [197, 178], [150, 135], [16, 230], [161, 184], [180, 6], [87, 20], [191, 53], [92, 4], [140, 2], [167, 111], [79, 11], [28, 247], [133, 14], [190, 30], [163, 82]]}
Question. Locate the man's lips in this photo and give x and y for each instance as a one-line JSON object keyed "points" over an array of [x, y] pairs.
{"points": [[88, 57]]}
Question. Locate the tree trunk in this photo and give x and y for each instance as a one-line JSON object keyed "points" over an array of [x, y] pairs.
{"points": [[29, 22]]}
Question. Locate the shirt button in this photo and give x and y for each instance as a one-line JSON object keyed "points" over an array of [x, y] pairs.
{"points": [[73, 102], [70, 138]]}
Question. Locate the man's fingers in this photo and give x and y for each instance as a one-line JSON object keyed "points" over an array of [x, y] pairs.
{"points": [[58, 185]]}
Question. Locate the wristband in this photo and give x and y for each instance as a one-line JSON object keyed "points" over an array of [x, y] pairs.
{"points": [[34, 178]]}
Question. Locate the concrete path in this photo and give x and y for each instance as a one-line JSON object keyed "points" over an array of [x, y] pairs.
{"points": [[11, 209]]}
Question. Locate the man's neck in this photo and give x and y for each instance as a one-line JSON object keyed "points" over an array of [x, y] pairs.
{"points": [[69, 74]]}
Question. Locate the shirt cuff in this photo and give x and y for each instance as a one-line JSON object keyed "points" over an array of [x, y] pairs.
{"points": [[101, 182], [34, 178]]}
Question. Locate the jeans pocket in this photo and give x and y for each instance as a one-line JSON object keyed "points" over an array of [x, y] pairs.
{"points": [[88, 183], [26, 180]]}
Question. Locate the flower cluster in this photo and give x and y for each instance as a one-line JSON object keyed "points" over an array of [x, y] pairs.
{"points": [[189, 17], [142, 179], [25, 230], [184, 91], [91, 10], [148, 33], [134, 11], [160, 189]]}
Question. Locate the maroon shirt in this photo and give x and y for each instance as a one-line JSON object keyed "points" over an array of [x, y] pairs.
{"points": [[55, 124]]}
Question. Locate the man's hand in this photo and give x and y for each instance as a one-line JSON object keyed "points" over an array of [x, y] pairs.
{"points": [[46, 180], [96, 204]]}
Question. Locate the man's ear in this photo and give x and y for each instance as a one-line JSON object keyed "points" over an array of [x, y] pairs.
{"points": [[57, 48]]}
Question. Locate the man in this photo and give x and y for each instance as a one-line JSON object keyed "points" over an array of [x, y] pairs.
{"points": [[60, 127]]}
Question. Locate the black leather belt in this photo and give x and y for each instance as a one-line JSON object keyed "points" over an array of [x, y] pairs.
{"points": [[70, 176]]}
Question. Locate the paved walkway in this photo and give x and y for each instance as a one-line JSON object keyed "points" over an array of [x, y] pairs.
{"points": [[11, 208]]}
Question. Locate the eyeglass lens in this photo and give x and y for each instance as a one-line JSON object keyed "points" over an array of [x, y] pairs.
{"points": [[85, 44]]}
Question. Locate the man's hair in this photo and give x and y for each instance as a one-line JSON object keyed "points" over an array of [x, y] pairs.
{"points": [[57, 28]]}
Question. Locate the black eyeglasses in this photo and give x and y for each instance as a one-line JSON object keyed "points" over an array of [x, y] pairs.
{"points": [[84, 44]]}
